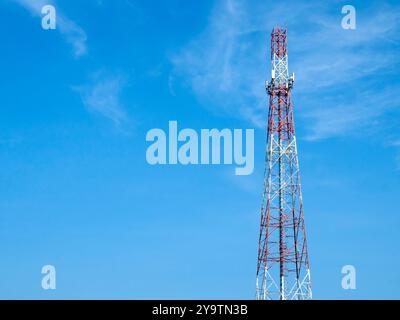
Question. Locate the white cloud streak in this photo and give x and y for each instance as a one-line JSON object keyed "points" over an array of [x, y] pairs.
{"points": [[358, 115], [72, 32], [227, 64], [102, 96]]}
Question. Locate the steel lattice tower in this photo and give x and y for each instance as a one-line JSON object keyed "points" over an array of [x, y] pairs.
{"points": [[283, 270]]}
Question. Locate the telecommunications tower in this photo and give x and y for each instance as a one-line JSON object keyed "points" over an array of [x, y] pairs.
{"points": [[283, 270]]}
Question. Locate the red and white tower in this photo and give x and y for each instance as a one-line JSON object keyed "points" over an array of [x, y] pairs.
{"points": [[283, 270]]}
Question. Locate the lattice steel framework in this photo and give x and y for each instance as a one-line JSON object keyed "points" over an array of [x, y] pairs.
{"points": [[283, 270]]}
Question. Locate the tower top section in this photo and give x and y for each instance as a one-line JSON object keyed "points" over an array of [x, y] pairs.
{"points": [[280, 79], [278, 43]]}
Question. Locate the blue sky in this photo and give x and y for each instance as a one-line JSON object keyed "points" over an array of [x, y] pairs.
{"points": [[76, 191]]}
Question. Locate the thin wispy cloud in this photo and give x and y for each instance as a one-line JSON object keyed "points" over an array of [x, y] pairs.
{"points": [[358, 115], [226, 66], [395, 144], [102, 95], [329, 56], [70, 30], [220, 64]]}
